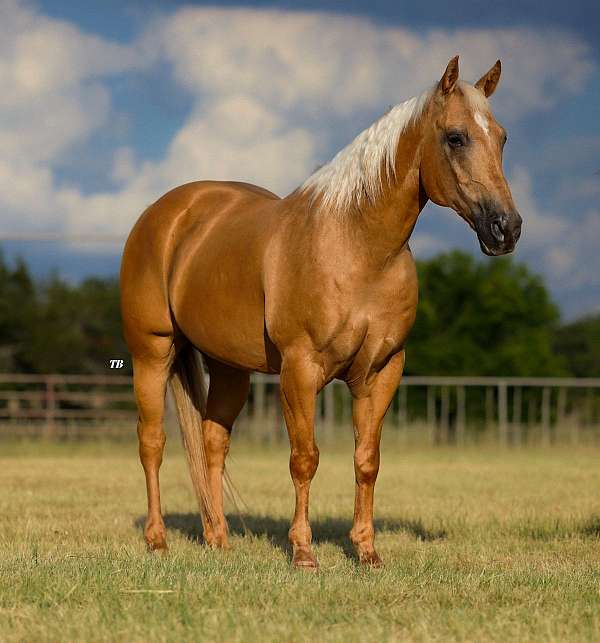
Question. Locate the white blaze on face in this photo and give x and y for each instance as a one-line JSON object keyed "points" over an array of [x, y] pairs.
{"points": [[481, 120]]}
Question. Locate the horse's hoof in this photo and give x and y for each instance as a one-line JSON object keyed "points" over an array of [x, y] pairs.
{"points": [[216, 540], [304, 559], [157, 545], [219, 544], [371, 559]]}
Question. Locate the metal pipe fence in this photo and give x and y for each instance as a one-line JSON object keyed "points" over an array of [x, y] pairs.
{"points": [[434, 410]]}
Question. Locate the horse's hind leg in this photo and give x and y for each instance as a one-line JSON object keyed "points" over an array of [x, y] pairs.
{"points": [[227, 392], [150, 375]]}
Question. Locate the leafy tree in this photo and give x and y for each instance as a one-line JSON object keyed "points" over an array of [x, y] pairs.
{"points": [[77, 328], [17, 310], [579, 345], [491, 317], [56, 327], [57, 343], [488, 317]]}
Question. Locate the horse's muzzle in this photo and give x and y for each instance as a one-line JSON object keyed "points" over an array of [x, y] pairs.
{"points": [[498, 232]]}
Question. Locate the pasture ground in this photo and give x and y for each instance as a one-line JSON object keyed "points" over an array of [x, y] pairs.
{"points": [[479, 545]]}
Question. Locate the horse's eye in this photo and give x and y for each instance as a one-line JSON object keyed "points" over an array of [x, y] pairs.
{"points": [[456, 139]]}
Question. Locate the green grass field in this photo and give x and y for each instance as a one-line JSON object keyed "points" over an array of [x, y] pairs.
{"points": [[478, 545]]}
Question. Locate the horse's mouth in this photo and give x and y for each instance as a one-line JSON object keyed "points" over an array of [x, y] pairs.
{"points": [[497, 234], [490, 252]]}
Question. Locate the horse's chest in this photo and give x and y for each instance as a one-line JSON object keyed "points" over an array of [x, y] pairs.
{"points": [[344, 318], [379, 329], [371, 326]]}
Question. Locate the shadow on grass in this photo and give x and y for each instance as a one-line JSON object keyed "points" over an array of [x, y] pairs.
{"points": [[561, 529], [591, 528], [325, 530]]}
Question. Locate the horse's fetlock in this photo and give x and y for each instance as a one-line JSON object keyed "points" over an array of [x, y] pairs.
{"points": [[300, 536], [359, 535], [155, 534]]}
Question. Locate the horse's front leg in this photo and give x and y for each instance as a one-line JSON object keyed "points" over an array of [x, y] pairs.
{"points": [[299, 383], [370, 404]]}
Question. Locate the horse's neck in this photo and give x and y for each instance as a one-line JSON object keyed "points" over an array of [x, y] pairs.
{"points": [[379, 230], [386, 224]]}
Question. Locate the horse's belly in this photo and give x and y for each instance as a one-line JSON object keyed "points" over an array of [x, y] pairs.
{"points": [[223, 319], [244, 349], [218, 305]]}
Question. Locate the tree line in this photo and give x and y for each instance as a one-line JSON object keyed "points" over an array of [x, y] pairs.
{"points": [[475, 317]]}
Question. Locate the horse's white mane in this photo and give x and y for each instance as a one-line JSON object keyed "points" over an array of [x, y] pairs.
{"points": [[355, 172]]}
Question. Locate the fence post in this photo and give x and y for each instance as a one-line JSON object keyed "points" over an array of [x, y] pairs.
{"points": [[461, 414], [561, 405], [402, 412], [516, 416], [489, 408], [260, 429], [502, 413], [589, 407], [546, 416], [445, 416], [531, 412], [431, 414], [50, 405]]}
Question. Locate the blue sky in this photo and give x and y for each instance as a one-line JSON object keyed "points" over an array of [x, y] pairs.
{"points": [[108, 104]]}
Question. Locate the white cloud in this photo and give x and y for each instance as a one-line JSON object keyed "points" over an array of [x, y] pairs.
{"points": [[240, 139], [124, 166], [53, 97], [267, 89], [342, 63], [424, 245], [43, 59], [562, 246], [45, 129]]}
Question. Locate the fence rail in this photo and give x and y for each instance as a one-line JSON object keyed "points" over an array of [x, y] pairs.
{"points": [[438, 410]]}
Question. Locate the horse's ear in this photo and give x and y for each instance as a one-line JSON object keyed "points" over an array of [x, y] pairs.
{"points": [[450, 77], [488, 82]]}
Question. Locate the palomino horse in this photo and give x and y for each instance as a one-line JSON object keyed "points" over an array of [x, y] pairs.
{"points": [[318, 285]]}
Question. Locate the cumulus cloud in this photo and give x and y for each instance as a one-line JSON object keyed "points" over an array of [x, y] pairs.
{"points": [[53, 97], [41, 56], [51, 74], [269, 91], [342, 63], [562, 244]]}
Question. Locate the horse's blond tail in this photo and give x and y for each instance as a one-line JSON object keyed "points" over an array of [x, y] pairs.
{"points": [[189, 393]]}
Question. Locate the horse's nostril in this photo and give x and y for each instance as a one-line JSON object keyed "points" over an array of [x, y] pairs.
{"points": [[517, 233], [497, 232]]}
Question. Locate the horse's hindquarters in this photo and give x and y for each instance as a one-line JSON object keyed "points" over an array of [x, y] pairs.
{"points": [[215, 285]]}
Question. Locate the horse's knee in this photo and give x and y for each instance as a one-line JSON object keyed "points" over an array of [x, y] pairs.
{"points": [[366, 465], [304, 461]]}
